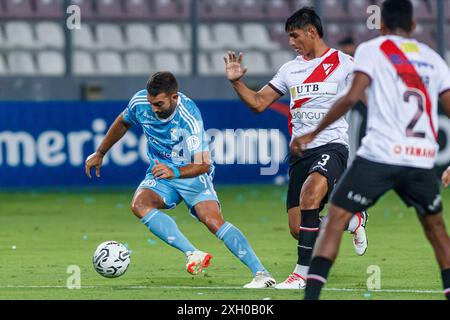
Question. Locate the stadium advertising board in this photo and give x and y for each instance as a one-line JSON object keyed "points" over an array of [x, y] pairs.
{"points": [[45, 144]]}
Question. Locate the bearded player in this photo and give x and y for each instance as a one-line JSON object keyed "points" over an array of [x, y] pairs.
{"points": [[404, 79], [313, 80]]}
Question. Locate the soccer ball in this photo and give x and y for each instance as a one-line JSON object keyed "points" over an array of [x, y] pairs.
{"points": [[111, 259]]}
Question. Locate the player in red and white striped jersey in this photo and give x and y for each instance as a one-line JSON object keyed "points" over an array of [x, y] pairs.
{"points": [[313, 80], [404, 79]]}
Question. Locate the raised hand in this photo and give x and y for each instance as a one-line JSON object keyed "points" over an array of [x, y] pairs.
{"points": [[233, 66]]}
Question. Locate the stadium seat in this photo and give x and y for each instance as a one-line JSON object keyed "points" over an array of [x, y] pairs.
{"points": [[297, 4], [137, 9], [256, 63], [217, 65], [140, 36], [18, 8], [218, 9], [50, 8], [278, 34], [171, 36], [279, 58], [110, 36], [278, 9], [358, 9], [51, 63], [334, 32], [167, 9], [427, 34], [21, 63], [84, 38], [83, 63], [425, 10], [227, 36], [204, 66], [138, 63], [206, 38], [109, 8], [256, 36], [3, 70], [251, 9], [335, 10], [19, 35], [110, 63], [87, 8], [360, 33], [49, 35], [186, 62], [168, 61], [3, 42]]}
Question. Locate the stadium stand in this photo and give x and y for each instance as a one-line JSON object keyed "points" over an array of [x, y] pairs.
{"points": [[51, 9], [83, 63], [21, 63], [138, 63], [51, 63], [157, 33], [50, 35]]}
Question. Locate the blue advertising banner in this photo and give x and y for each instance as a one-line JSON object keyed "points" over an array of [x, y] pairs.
{"points": [[46, 143]]}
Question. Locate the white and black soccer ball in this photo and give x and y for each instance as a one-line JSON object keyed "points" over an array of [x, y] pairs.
{"points": [[111, 259]]}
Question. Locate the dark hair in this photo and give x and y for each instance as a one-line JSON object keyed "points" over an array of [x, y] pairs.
{"points": [[346, 41], [397, 14], [302, 18], [162, 82]]}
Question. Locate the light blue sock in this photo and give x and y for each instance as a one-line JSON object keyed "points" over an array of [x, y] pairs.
{"points": [[165, 228], [239, 246]]}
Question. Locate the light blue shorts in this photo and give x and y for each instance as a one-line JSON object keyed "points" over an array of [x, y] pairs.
{"points": [[191, 190]]}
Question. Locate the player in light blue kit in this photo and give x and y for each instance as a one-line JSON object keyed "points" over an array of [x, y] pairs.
{"points": [[180, 169]]}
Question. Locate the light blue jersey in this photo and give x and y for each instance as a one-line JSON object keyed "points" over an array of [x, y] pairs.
{"points": [[173, 141]]}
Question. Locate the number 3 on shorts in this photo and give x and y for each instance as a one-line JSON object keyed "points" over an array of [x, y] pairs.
{"points": [[325, 158]]}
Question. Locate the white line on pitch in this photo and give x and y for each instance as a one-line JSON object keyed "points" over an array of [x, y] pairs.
{"points": [[211, 288]]}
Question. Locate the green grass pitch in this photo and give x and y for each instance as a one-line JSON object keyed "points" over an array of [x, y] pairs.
{"points": [[43, 233]]}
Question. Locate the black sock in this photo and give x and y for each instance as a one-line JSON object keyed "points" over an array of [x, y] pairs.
{"points": [[446, 280], [309, 230], [317, 276]]}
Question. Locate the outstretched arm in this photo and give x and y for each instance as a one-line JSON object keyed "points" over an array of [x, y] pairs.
{"points": [[114, 134], [360, 82], [256, 101]]}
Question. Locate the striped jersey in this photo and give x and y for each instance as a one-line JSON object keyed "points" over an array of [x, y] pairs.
{"points": [[175, 140], [407, 79], [314, 85]]}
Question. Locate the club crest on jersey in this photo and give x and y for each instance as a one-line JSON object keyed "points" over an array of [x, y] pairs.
{"points": [[327, 67], [173, 134], [313, 90]]}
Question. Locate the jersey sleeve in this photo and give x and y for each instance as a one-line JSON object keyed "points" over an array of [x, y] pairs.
{"points": [[129, 114], [278, 83], [443, 77], [364, 60]]}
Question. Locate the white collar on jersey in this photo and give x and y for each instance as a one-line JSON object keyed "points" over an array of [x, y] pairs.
{"points": [[172, 115]]}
